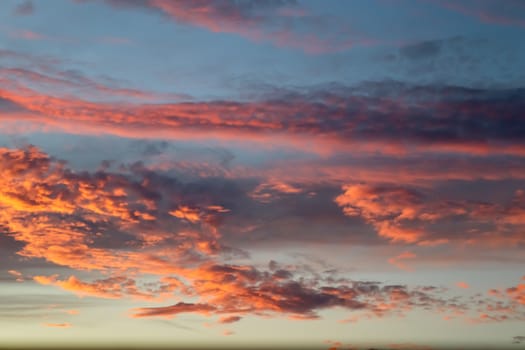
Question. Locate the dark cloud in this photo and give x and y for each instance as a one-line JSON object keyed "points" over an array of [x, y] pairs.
{"points": [[25, 8], [518, 339], [374, 117], [174, 310], [462, 60], [230, 290], [423, 50]]}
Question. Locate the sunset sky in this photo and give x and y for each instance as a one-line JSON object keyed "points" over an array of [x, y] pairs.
{"points": [[336, 174]]}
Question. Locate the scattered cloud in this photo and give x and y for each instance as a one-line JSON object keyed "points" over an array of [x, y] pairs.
{"points": [[17, 274]]}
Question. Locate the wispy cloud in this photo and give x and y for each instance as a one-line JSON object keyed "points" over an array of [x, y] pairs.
{"points": [[58, 325], [489, 11], [283, 23]]}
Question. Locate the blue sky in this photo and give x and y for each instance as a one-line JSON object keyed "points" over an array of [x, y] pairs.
{"points": [[342, 174]]}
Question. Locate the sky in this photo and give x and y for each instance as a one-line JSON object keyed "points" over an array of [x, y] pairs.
{"points": [[332, 174]]}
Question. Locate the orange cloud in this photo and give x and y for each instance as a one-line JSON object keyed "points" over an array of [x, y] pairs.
{"points": [[269, 191], [98, 223], [504, 304], [187, 213], [385, 208], [403, 215], [58, 325], [517, 293], [229, 319], [111, 288], [463, 285]]}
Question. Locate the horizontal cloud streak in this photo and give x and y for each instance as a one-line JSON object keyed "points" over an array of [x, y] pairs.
{"points": [[280, 22], [423, 119]]}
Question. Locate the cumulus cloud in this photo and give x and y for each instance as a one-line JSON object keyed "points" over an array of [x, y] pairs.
{"points": [[137, 222], [404, 215]]}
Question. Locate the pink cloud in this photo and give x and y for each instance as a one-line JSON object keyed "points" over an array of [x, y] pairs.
{"points": [[279, 23]]}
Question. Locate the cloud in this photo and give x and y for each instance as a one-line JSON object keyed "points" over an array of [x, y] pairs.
{"points": [[283, 23], [75, 219], [503, 304], [28, 35], [58, 325], [389, 123], [517, 293], [174, 310], [109, 288], [463, 285], [518, 339], [25, 8], [422, 50], [72, 80], [489, 11], [385, 208], [404, 215], [244, 290], [124, 220], [118, 224], [229, 319], [269, 191], [17, 274], [398, 260]]}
